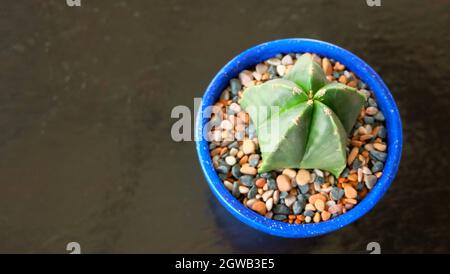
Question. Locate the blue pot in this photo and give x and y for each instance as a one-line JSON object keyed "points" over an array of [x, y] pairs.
{"points": [[385, 102]]}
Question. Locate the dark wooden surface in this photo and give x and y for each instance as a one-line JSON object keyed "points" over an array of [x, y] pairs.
{"points": [[85, 101]]}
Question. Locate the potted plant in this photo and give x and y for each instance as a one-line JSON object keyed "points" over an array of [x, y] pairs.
{"points": [[315, 137]]}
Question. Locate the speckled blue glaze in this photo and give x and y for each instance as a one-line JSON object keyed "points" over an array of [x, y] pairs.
{"points": [[385, 102]]}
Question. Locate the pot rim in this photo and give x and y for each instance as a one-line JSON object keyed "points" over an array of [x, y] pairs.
{"points": [[385, 101]]}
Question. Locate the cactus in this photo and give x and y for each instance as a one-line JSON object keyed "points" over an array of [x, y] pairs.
{"points": [[301, 120]]}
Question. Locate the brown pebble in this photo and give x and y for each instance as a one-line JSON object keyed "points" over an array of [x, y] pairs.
{"points": [[320, 205], [326, 215], [316, 218], [284, 183], [243, 160], [326, 66], [289, 172], [342, 79], [353, 177], [312, 199], [366, 137], [259, 207], [352, 155], [350, 201], [338, 66], [261, 182], [303, 177], [350, 192], [357, 143], [249, 170], [379, 146], [248, 147], [352, 83]]}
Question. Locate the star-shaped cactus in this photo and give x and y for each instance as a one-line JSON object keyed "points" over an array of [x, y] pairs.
{"points": [[301, 120]]}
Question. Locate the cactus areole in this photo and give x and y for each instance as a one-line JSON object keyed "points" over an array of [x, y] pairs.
{"points": [[301, 120]]}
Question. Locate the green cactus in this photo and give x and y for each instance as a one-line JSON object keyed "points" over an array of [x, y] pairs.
{"points": [[301, 120]]}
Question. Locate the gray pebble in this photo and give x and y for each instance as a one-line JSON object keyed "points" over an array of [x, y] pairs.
{"points": [[235, 190], [252, 192], [280, 209], [377, 166], [336, 193], [379, 116], [283, 194], [271, 183], [309, 213], [382, 132], [236, 171], [369, 120], [377, 155], [247, 180], [279, 217], [235, 86], [304, 189], [370, 181], [356, 164], [224, 169]]}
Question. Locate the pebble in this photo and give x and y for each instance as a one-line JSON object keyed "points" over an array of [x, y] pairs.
{"points": [[377, 166], [325, 215], [261, 68], [243, 189], [289, 172], [337, 193], [377, 155], [316, 218], [235, 190], [379, 146], [280, 209], [234, 151], [303, 177], [290, 200], [352, 155], [335, 209], [269, 204], [253, 160], [297, 207], [249, 170], [231, 160], [279, 217], [319, 205], [246, 77], [259, 207], [307, 219], [326, 66], [312, 199], [350, 192], [281, 70], [228, 185], [248, 147], [284, 183], [308, 213], [287, 60], [274, 61], [267, 195], [269, 215], [223, 169], [370, 181], [260, 182], [304, 189], [236, 171], [252, 192], [246, 180], [276, 196], [382, 132], [369, 120], [235, 86], [379, 116], [271, 183], [371, 111]]}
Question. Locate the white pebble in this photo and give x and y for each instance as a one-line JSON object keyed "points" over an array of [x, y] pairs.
{"points": [[243, 189], [248, 147], [267, 195], [281, 70], [269, 204], [228, 185], [261, 68], [290, 200], [287, 60], [274, 61], [230, 160]]}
